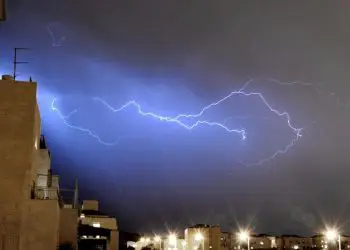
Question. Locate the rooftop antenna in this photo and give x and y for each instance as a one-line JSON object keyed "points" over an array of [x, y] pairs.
{"points": [[15, 62]]}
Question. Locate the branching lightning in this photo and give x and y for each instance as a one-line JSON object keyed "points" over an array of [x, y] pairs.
{"points": [[55, 41], [183, 120]]}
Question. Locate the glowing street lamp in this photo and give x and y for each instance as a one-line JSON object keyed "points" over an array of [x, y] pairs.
{"points": [[333, 235], [243, 236], [158, 240], [172, 239], [199, 238]]}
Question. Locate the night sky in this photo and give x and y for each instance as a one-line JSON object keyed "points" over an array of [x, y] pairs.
{"points": [[175, 57]]}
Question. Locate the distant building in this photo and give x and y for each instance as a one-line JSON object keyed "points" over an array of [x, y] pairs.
{"points": [[262, 241], [33, 211], [203, 237], [173, 243], [319, 241], [259, 241], [225, 241], [293, 242], [169, 242], [97, 230]]}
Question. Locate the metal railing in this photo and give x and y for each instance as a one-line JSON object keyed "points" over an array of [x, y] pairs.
{"points": [[46, 187], [45, 193]]}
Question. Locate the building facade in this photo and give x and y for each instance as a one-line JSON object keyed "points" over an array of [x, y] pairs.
{"points": [[97, 229], [293, 242], [225, 241], [30, 200], [203, 237]]}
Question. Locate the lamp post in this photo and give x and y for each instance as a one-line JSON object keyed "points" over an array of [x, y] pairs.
{"points": [[244, 236], [333, 235], [199, 238]]}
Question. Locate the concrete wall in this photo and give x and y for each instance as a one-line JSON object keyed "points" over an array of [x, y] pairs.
{"points": [[25, 224], [105, 222], [68, 232], [90, 205], [114, 240], [17, 126], [40, 225]]}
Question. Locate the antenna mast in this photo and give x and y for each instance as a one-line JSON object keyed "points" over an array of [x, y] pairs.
{"points": [[15, 62]]}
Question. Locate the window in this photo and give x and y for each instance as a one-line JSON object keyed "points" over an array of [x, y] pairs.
{"points": [[96, 224]]}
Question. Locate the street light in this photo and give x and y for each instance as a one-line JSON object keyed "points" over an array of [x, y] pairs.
{"points": [[172, 239], [244, 235], [333, 235], [199, 238], [158, 240]]}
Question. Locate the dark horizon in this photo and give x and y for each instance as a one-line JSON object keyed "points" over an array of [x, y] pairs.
{"points": [[177, 57]]}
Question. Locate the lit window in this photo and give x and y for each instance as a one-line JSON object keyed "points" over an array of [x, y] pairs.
{"points": [[96, 224], [97, 236]]}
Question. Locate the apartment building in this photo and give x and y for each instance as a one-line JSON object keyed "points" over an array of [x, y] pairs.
{"points": [[32, 212], [96, 229], [263, 241], [173, 243], [320, 241], [293, 242], [225, 241], [203, 237]]}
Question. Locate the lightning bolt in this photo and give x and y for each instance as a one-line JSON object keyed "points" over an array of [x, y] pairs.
{"points": [[65, 119], [179, 119], [55, 41]]}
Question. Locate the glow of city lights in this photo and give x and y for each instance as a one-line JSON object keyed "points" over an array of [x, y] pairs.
{"points": [[243, 235], [332, 234], [172, 238], [157, 238], [142, 239], [198, 236], [96, 224]]}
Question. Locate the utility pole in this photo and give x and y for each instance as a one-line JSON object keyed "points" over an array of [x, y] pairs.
{"points": [[15, 62]]}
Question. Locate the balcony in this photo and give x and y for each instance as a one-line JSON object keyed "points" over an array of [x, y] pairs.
{"points": [[45, 193], [46, 187]]}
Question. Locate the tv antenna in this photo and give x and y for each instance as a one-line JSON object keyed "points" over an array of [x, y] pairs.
{"points": [[15, 62]]}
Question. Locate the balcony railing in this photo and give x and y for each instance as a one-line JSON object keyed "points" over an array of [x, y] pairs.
{"points": [[46, 187], [45, 193]]}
